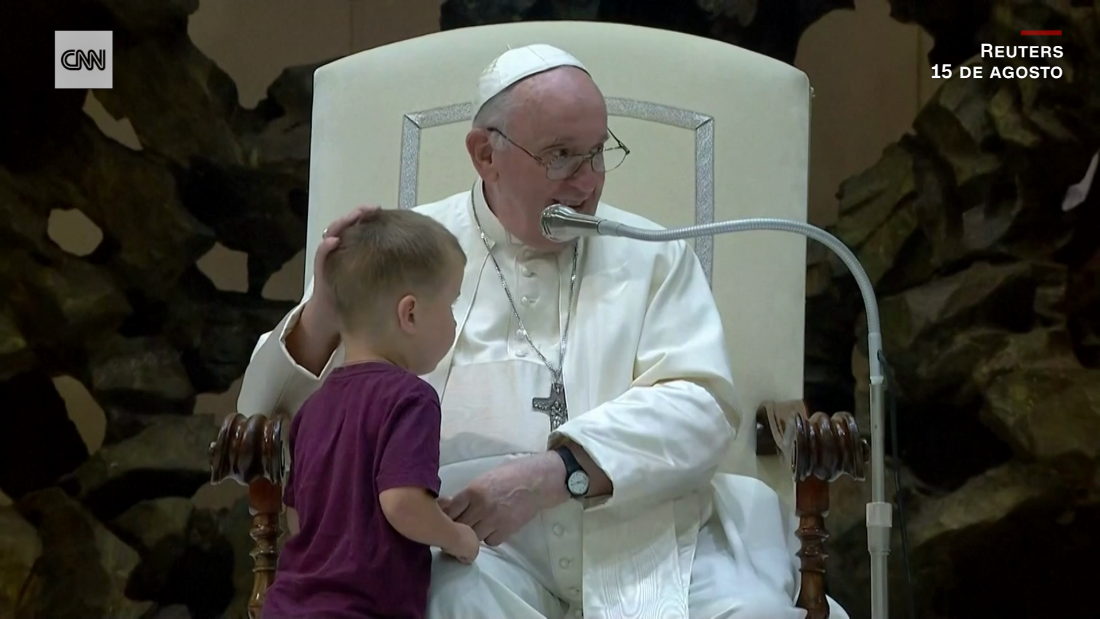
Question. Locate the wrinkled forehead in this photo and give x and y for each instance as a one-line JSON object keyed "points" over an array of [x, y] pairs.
{"points": [[558, 86], [560, 107]]}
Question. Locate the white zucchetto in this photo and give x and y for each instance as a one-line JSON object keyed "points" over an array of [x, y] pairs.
{"points": [[517, 64]]}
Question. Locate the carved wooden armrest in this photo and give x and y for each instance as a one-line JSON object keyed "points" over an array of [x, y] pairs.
{"points": [[820, 448], [251, 451]]}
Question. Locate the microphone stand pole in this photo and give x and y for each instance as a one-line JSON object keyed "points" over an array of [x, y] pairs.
{"points": [[879, 512]]}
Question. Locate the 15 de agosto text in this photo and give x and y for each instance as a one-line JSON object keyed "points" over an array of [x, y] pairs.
{"points": [[1023, 52]]}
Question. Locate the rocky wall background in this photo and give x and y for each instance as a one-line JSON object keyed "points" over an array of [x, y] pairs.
{"points": [[988, 279], [989, 291]]}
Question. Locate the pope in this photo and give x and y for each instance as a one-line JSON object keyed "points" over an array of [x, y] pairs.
{"points": [[587, 399]]}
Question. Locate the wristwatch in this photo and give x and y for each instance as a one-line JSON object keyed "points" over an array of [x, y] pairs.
{"points": [[576, 480]]}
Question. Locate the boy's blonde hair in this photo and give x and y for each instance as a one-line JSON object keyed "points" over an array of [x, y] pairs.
{"points": [[384, 257]]}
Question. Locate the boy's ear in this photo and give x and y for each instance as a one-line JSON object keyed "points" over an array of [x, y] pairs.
{"points": [[406, 313]]}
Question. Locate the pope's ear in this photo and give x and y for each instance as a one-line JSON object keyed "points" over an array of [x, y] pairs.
{"points": [[480, 146]]}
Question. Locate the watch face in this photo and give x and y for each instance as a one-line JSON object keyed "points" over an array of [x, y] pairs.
{"points": [[578, 483]]}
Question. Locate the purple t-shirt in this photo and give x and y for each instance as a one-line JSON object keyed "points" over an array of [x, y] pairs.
{"points": [[370, 427]]}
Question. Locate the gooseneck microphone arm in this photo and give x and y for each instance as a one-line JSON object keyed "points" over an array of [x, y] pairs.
{"points": [[560, 223]]}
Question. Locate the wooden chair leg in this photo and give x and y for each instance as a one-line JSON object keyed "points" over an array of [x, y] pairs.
{"points": [[820, 449], [811, 507], [252, 452], [265, 501]]}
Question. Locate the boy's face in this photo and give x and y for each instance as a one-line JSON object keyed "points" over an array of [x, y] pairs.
{"points": [[435, 332]]}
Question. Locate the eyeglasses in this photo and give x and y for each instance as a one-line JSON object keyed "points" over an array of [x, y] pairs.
{"points": [[561, 168]]}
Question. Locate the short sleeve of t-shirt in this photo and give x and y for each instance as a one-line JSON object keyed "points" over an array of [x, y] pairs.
{"points": [[409, 444]]}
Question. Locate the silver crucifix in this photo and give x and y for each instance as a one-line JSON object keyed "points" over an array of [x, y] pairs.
{"points": [[554, 406]]}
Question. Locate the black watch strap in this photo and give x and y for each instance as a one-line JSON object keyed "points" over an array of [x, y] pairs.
{"points": [[571, 464], [574, 474]]}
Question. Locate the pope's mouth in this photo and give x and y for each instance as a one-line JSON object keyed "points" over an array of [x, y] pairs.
{"points": [[576, 206]]}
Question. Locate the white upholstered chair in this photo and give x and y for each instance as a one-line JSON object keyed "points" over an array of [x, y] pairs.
{"points": [[716, 132]]}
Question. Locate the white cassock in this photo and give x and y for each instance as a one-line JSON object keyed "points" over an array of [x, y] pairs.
{"points": [[648, 388]]}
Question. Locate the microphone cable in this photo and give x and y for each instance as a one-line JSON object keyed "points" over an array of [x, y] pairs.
{"points": [[891, 398]]}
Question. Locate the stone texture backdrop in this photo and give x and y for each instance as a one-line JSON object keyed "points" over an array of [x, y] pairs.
{"points": [[989, 291]]}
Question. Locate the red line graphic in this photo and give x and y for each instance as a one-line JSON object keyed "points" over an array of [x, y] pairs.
{"points": [[1041, 33]]}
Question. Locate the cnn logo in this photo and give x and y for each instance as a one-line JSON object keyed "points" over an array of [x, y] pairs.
{"points": [[83, 59], [77, 59]]}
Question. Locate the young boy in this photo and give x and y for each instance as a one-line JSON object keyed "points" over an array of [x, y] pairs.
{"points": [[365, 447]]}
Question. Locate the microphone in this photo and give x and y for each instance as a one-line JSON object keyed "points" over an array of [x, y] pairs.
{"points": [[560, 223]]}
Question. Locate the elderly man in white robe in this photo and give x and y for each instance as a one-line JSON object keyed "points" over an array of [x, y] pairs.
{"points": [[587, 396]]}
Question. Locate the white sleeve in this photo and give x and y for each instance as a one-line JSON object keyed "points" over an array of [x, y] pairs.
{"points": [[667, 434], [273, 380]]}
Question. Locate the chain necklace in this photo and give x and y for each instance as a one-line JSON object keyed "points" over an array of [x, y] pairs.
{"points": [[554, 405]]}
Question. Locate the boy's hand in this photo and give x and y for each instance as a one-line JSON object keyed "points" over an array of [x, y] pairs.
{"points": [[466, 545]]}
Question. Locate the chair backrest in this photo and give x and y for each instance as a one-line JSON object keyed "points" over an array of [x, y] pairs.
{"points": [[716, 132]]}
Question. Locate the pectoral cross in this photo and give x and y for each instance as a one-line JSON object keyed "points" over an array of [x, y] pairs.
{"points": [[554, 406]]}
